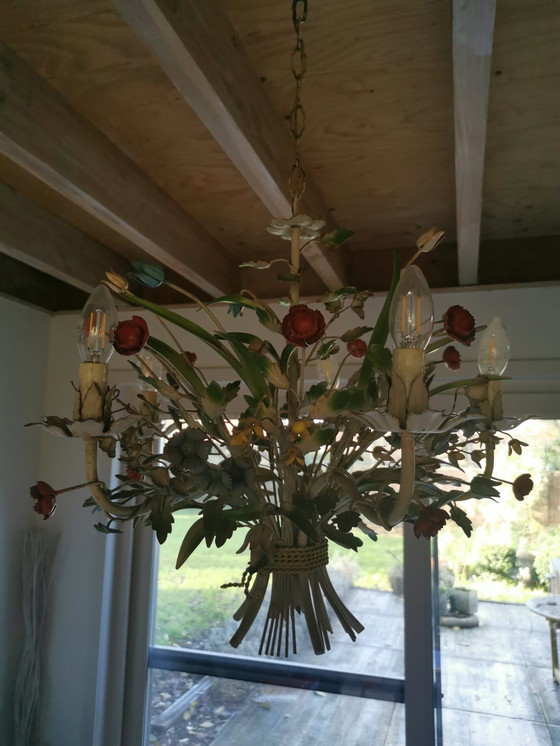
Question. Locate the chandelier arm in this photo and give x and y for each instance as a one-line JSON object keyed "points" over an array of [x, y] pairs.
{"points": [[490, 448], [408, 475], [120, 511]]}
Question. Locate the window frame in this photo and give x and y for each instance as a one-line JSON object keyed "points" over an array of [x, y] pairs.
{"points": [[418, 691]]}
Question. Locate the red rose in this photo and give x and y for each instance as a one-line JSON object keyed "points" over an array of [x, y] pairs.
{"points": [[452, 358], [429, 522], [303, 326], [357, 347], [191, 357], [522, 486], [459, 324], [131, 336], [134, 476], [46, 499]]}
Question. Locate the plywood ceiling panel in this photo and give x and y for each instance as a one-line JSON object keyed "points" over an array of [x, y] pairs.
{"points": [[104, 72], [378, 145], [378, 93], [522, 178]]}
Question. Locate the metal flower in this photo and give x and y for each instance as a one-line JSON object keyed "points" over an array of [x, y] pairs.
{"points": [[303, 326], [131, 336], [429, 522], [522, 486], [188, 449], [459, 324], [46, 499], [309, 229]]}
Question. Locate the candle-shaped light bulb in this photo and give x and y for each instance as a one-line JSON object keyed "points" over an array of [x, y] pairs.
{"points": [[493, 351], [411, 316], [97, 326]]}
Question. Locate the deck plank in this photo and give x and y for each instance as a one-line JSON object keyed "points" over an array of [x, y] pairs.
{"points": [[497, 685], [477, 729], [306, 719], [484, 643], [490, 687], [547, 692]]}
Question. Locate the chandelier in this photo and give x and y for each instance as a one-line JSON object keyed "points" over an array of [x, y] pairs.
{"points": [[290, 455]]}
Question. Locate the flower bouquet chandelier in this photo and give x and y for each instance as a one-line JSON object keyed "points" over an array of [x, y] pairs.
{"points": [[310, 461]]}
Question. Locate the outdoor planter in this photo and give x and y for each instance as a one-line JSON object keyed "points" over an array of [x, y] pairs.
{"points": [[463, 601]]}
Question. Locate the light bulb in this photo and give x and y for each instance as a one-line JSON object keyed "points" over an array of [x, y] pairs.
{"points": [[97, 327], [493, 351], [411, 315]]}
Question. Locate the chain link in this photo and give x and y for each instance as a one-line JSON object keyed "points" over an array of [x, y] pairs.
{"points": [[296, 116]]}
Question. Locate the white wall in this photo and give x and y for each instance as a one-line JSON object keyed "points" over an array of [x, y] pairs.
{"points": [[70, 672], [24, 333], [530, 315]]}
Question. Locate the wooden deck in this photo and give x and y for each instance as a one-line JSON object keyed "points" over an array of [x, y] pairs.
{"points": [[497, 686]]}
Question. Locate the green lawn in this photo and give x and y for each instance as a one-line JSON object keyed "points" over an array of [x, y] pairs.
{"points": [[190, 600]]}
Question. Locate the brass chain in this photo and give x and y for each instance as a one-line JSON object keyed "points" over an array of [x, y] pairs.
{"points": [[296, 117]]}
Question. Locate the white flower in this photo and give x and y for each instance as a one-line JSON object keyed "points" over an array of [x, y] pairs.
{"points": [[90, 428], [309, 228]]}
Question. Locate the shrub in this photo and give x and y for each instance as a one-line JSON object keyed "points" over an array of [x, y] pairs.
{"points": [[498, 561]]}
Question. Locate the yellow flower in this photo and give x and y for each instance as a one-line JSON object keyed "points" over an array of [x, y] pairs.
{"points": [[300, 429], [294, 455], [116, 283], [243, 435], [241, 438]]}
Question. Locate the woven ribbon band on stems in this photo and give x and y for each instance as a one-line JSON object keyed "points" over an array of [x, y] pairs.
{"points": [[299, 587], [294, 560]]}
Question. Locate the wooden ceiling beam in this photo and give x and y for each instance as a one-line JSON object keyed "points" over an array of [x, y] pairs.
{"points": [[35, 237], [473, 31], [41, 133], [27, 284], [503, 262], [200, 52]]}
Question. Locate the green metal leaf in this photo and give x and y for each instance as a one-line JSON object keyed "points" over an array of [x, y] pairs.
{"points": [[336, 237], [252, 369], [297, 516], [251, 339], [355, 333], [462, 520], [381, 329], [161, 518], [381, 358], [149, 274], [338, 294], [183, 323], [285, 357], [181, 365], [327, 349], [484, 487], [193, 538], [349, 541], [264, 312]]}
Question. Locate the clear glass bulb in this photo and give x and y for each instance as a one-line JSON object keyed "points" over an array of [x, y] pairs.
{"points": [[493, 350], [411, 315], [97, 327]]}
